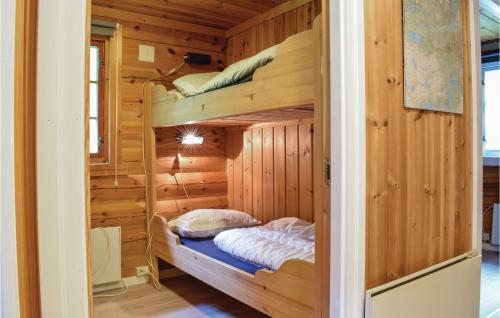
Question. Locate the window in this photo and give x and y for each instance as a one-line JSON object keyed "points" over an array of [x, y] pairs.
{"points": [[491, 110], [98, 130]]}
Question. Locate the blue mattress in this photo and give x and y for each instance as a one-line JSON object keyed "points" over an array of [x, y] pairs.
{"points": [[207, 247]]}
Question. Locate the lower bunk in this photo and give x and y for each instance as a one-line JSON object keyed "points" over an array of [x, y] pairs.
{"points": [[286, 292]]}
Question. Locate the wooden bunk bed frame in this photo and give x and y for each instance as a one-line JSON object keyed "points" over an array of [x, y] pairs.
{"points": [[284, 89], [281, 89]]}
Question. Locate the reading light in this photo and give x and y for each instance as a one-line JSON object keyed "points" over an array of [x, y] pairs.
{"points": [[191, 139]]}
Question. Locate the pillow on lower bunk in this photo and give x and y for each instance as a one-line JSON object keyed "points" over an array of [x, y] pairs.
{"points": [[204, 223], [294, 226], [190, 84]]}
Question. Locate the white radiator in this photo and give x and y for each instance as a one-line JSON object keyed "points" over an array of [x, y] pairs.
{"points": [[495, 231], [106, 257], [447, 290]]}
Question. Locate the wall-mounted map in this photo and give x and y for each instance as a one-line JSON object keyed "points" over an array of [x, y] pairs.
{"points": [[433, 55]]}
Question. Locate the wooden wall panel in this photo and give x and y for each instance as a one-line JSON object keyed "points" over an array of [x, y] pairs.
{"points": [[276, 174], [124, 203], [491, 193], [271, 32], [418, 191], [205, 184]]}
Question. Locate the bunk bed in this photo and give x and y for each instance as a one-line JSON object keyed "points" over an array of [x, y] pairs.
{"points": [[284, 89]]}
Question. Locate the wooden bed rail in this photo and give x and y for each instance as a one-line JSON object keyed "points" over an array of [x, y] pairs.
{"points": [[288, 292]]}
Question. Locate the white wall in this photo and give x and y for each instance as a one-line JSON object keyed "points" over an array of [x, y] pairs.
{"points": [[60, 158], [9, 301]]}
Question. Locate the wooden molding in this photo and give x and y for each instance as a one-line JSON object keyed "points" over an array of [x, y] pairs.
{"points": [[285, 7], [25, 157], [87, 159], [123, 15]]}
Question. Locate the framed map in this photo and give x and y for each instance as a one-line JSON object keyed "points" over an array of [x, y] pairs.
{"points": [[433, 55]]}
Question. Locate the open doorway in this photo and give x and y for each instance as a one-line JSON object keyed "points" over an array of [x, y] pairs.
{"points": [[490, 273], [136, 52]]}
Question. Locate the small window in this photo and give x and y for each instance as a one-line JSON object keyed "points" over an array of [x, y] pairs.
{"points": [[98, 140], [491, 110]]}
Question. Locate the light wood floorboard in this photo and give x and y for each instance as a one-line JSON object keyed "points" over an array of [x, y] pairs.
{"points": [[180, 297]]}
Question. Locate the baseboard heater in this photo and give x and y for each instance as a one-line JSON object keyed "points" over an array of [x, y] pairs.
{"points": [[447, 290], [106, 258]]}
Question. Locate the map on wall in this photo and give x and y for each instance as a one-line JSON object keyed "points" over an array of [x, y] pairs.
{"points": [[433, 55]]}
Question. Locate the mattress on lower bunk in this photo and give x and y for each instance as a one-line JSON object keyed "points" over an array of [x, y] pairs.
{"points": [[207, 247], [272, 244]]}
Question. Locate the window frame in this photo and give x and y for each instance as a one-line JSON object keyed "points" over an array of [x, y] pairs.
{"points": [[485, 67], [102, 156]]}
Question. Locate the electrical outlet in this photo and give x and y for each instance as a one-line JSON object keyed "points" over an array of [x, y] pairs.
{"points": [[142, 271], [486, 236]]}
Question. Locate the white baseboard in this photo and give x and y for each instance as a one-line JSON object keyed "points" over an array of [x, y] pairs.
{"points": [[491, 247], [128, 281], [135, 280]]}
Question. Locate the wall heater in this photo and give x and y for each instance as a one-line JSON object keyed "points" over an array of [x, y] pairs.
{"points": [[106, 258], [495, 230], [446, 290]]}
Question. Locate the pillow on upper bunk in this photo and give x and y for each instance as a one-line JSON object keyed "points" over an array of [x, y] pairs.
{"points": [[240, 71], [204, 223], [190, 84]]}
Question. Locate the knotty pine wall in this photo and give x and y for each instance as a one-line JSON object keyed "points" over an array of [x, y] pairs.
{"points": [[124, 205], [202, 169], [269, 170], [491, 193], [418, 190], [271, 32]]}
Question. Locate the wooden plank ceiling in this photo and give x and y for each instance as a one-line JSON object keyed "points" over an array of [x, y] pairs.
{"points": [[222, 14], [489, 17]]}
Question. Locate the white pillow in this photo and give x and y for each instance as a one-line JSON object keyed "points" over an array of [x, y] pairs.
{"points": [[240, 70], [293, 226], [189, 85], [203, 223]]}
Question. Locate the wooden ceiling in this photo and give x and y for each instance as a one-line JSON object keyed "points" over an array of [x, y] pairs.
{"points": [[222, 14], [489, 17]]}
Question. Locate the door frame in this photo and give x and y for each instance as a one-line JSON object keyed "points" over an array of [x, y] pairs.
{"points": [[347, 69], [25, 172], [477, 126], [61, 164]]}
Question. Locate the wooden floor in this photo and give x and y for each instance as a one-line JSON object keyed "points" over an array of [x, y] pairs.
{"points": [[490, 285], [180, 297]]}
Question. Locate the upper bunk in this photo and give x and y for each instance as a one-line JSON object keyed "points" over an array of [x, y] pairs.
{"points": [[281, 90]]}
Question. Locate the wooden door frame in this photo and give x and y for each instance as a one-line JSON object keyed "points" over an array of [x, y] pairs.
{"points": [[25, 67]]}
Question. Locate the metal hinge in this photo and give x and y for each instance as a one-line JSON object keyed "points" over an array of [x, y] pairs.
{"points": [[328, 172]]}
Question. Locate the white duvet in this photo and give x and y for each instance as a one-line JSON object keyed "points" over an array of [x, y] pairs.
{"points": [[272, 244]]}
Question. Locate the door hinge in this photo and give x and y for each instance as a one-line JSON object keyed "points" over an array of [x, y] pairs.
{"points": [[328, 172]]}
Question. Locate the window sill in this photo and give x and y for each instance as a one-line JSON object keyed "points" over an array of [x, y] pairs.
{"points": [[491, 161]]}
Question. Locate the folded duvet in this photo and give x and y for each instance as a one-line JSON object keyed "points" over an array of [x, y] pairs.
{"points": [[266, 245]]}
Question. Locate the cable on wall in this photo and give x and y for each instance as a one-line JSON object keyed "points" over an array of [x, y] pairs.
{"points": [[153, 270]]}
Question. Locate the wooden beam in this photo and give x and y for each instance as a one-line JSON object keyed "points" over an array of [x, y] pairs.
{"points": [[123, 15], [285, 7]]}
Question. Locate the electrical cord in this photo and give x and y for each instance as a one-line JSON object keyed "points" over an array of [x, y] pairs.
{"points": [[153, 270], [484, 213], [124, 291], [182, 178]]}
